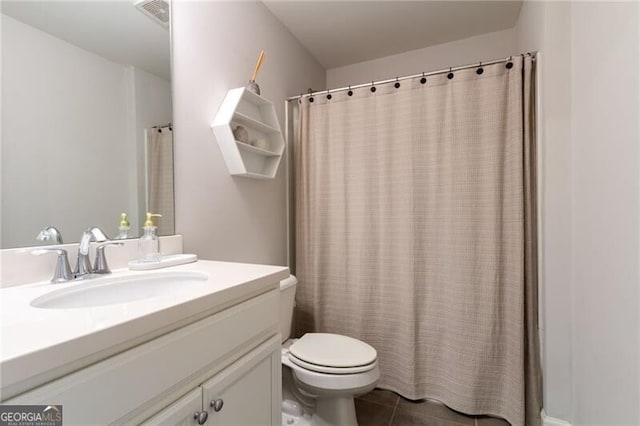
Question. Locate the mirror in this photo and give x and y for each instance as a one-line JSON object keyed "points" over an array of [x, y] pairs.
{"points": [[86, 113]]}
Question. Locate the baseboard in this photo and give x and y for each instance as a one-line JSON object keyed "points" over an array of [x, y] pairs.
{"points": [[552, 421]]}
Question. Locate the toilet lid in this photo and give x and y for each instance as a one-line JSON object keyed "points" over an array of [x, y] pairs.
{"points": [[333, 350]]}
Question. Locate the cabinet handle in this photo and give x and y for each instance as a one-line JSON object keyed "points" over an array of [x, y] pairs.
{"points": [[216, 404], [201, 417]]}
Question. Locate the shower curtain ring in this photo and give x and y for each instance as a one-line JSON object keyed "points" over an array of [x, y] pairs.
{"points": [[509, 64], [450, 75], [397, 85], [373, 88], [329, 95], [350, 92], [423, 80], [479, 70]]}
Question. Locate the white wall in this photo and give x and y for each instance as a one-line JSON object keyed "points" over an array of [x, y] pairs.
{"points": [[215, 46], [461, 52], [605, 213], [590, 109], [64, 137]]}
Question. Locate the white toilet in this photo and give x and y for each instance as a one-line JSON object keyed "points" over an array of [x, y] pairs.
{"points": [[322, 372]]}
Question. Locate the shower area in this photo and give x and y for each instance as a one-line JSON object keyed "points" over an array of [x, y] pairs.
{"points": [[413, 227]]}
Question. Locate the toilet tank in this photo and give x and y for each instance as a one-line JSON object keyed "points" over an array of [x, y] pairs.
{"points": [[287, 303]]}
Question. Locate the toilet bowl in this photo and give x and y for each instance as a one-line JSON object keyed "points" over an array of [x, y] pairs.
{"points": [[327, 371]]}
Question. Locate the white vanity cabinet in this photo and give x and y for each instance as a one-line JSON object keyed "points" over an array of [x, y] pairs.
{"points": [[232, 354], [245, 393]]}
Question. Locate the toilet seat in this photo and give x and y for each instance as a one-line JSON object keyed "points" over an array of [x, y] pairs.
{"points": [[332, 353], [330, 370]]}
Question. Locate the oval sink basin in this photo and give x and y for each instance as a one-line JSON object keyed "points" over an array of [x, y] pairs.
{"points": [[115, 290]]}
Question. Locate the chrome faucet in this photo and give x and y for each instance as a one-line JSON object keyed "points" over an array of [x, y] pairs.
{"points": [[50, 233], [83, 267], [83, 264]]}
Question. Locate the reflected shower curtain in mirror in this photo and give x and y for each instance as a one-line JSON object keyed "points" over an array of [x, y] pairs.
{"points": [[416, 233], [160, 177]]}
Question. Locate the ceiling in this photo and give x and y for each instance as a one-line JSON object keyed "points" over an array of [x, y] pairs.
{"points": [[113, 29], [340, 33]]}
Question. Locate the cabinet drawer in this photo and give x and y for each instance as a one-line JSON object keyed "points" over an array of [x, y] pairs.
{"points": [[137, 378]]}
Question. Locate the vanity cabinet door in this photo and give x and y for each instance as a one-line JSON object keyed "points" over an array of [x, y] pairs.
{"points": [[248, 392], [180, 412]]}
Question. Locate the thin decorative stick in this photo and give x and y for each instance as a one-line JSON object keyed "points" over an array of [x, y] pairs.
{"points": [[258, 66]]}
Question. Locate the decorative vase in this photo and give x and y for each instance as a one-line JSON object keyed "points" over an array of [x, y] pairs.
{"points": [[241, 134]]}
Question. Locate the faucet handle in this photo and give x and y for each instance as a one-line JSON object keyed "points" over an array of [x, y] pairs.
{"points": [[63, 270], [100, 265]]}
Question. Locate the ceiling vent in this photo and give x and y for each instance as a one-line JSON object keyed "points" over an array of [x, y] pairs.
{"points": [[158, 10]]}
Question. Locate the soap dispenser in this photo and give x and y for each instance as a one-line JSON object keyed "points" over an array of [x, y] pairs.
{"points": [[123, 227], [148, 250]]}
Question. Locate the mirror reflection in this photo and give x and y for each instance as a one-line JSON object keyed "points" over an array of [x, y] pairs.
{"points": [[86, 113]]}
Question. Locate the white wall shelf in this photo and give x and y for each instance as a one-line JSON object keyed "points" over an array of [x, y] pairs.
{"points": [[258, 116]]}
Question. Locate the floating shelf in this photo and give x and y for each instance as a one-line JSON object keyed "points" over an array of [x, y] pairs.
{"points": [[241, 107]]}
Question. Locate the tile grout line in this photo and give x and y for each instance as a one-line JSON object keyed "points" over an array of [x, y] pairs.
{"points": [[393, 413]]}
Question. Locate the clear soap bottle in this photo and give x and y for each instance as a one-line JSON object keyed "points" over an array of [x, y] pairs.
{"points": [[148, 250], [123, 227]]}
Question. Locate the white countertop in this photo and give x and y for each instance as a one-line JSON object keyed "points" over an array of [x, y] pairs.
{"points": [[38, 345]]}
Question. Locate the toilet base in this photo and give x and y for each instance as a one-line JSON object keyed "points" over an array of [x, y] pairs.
{"points": [[339, 411], [293, 414], [334, 411]]}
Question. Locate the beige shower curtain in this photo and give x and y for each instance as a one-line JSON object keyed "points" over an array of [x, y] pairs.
{"points": [[416, 232], [160, 177]]}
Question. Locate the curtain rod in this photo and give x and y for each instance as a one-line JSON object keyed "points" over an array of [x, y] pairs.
{"points": [[408, 77]]}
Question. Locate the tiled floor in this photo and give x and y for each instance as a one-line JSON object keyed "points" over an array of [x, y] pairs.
{"points": [[385, 408]]}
